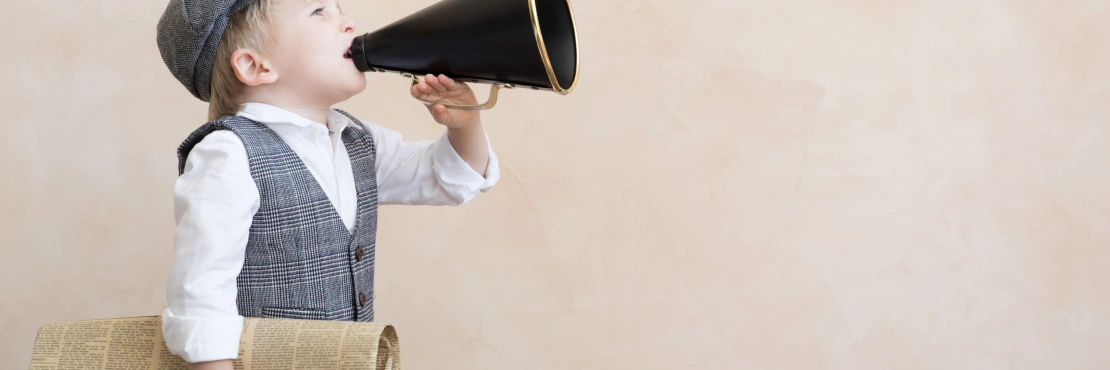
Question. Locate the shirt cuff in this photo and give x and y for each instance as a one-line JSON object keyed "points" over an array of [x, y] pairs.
{"points": [[201, 339], [457, 177]]}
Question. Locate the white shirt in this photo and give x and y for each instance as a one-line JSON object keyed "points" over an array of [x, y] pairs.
{"points": [[216, 198]]}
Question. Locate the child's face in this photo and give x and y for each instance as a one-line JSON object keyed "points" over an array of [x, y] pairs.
{"points": [[311, 38]]}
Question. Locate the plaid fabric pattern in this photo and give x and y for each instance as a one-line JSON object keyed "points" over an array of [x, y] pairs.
{"points": [[188, 34], [301, 262]]}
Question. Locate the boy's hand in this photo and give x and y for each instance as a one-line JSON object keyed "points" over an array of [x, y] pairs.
{"points": [[442, 89]]}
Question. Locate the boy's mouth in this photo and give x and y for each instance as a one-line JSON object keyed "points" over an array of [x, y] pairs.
{"points": [[347, 54]]}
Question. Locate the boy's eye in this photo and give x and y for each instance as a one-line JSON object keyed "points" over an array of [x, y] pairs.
{"points": [[319, 11]]}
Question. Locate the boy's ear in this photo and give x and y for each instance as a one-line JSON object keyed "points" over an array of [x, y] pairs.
{"points": [[251, 69]]}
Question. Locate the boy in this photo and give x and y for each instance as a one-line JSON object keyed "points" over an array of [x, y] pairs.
{"points": [[276, 202]]}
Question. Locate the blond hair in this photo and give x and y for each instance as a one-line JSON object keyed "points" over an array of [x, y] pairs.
{"points": [[246, 29]]}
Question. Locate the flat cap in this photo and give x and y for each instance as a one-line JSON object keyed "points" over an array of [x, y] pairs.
{"points": [[189, 34]]}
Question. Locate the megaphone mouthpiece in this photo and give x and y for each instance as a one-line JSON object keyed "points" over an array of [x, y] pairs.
{"points": [[358, 54]]}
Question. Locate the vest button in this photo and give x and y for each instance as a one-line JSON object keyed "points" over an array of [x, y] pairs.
{"points": [[362, 299], [358, 253]]}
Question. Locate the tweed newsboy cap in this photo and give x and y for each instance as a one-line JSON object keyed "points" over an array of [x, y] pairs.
{"points": [[189, 34]]}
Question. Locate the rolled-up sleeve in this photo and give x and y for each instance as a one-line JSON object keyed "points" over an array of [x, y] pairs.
{"points": [[428, 172], [214, 201]]}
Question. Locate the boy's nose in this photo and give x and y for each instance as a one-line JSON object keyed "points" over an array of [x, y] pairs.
{"points": [[348, 25]]}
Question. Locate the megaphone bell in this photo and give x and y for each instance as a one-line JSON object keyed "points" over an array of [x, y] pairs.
{"points": [[506, 43]]}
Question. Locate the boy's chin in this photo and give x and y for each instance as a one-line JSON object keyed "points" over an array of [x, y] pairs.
{"points": [[355, 89], [355, 85], [346, 91]]}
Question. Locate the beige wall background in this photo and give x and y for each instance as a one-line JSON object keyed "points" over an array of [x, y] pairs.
{"points": [[736, 184]]}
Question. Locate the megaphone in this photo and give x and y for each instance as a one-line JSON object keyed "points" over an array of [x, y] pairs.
{"points": [[504, 43]]}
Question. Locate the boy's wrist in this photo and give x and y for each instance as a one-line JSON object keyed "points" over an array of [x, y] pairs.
{"points": [[467, 125]]}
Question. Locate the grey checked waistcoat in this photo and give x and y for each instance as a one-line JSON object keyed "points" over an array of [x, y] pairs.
{"points": [[301, 262]]}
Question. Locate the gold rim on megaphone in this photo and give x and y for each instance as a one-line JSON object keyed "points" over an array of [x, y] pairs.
{"points": [[543, 48]]}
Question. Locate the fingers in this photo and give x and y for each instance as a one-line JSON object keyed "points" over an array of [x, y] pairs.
{"points": [[451, 84], [434, 88], [422, 90], [439, 83]]}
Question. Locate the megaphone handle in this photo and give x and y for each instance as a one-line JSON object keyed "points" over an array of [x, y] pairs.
{"points": [[487, 105]]}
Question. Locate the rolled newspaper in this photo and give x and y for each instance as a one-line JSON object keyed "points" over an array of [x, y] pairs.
{"points": [[136, 343]]}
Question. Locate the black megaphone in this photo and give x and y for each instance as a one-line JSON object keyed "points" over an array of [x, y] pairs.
{"points": [[505, 43]]}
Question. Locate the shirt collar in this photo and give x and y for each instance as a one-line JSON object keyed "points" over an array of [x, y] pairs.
{"points": [[269, 114]]}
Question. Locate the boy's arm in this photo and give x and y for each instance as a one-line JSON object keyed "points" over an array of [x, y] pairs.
{"points": [[472, 145], [431, 172], [214, 201]]}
